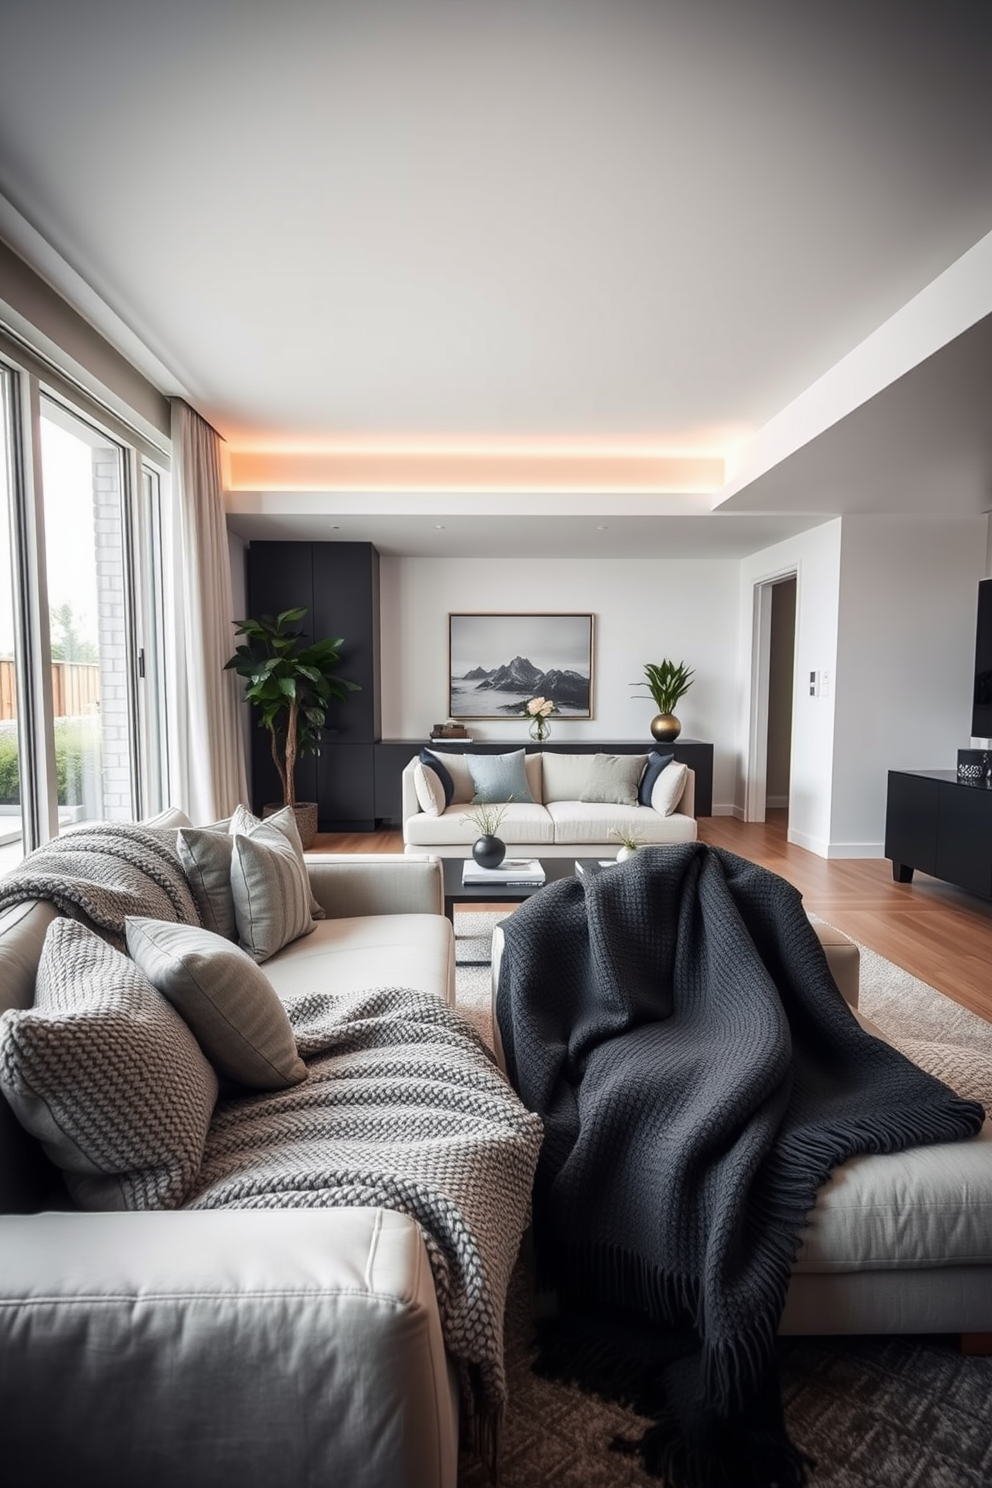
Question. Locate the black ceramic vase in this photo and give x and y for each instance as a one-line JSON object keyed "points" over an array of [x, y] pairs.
{"points": [[489, 851]]}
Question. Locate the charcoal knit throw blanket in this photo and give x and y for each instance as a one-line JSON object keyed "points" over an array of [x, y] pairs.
{"points": [[674, 1023]]}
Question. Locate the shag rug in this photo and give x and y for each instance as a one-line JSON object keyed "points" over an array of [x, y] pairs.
{"points": [[907, 1412]]}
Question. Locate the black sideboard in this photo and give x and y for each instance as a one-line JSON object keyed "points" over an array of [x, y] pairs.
{"points": [[392, 755], [940, 825]]}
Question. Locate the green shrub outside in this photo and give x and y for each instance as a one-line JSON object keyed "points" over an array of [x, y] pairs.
{"points": [[76, 743]]}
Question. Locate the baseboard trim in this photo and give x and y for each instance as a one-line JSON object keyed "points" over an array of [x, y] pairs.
{"points": [[825, 849], [776, 803]]}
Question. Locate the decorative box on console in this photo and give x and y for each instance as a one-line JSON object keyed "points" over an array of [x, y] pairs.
{"points": [[975, 767]]}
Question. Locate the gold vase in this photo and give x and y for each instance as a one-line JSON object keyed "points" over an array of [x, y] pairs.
{"points": [[665, 727]]}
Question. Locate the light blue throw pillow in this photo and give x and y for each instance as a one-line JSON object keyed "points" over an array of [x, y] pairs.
{"points": [[499, 777]]}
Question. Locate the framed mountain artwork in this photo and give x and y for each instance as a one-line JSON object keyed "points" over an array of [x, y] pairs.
{"points": [[497, 663]]}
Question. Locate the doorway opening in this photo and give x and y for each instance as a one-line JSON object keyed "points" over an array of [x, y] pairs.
{"points": [[772, 687]]}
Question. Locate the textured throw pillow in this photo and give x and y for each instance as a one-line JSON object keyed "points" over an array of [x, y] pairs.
{"points": [[107, 1076], [245, 823], [443, 774], [613, 778], [206, 859], [656, 763], [668, 788], [229, 1004], [271, 891], [430, 791], [499, 777]]}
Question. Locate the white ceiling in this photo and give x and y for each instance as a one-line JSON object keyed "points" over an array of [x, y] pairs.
{"points": [[600, 221]]}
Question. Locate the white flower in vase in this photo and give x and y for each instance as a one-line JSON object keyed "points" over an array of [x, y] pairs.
{"points": [[539, 710]]}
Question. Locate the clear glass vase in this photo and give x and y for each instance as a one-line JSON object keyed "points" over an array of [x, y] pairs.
{"points": [[540, 729]]}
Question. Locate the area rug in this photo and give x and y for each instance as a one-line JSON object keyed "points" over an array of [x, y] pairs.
{"points": [[875, 1413]]}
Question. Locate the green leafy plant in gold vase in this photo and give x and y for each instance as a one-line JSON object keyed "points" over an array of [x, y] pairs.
{"points": [[667, 682]]}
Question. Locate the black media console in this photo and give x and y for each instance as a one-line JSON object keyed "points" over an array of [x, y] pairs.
{"points": [[940, 825]]}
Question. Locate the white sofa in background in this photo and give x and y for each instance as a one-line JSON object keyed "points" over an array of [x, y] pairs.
{"points": [[556, 825], [258, 1346]]}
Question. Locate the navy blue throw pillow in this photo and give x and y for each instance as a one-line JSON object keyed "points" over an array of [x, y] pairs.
{"points": [[447, 784], [656, 763]]}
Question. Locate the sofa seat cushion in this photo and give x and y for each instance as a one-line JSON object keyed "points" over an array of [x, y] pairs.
{"points": [[926, 1207], [929, 1207], [589, 821], [350, 955], [522, 823]]}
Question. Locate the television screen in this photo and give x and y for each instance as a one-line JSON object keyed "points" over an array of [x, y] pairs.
{"points": [[981, 710]]}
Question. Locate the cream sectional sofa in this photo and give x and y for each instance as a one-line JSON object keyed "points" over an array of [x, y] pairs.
{"points": [[261, 1347], [558, 824], [896, 1243]]}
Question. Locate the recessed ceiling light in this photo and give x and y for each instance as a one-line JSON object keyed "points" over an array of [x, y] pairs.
{"points": [[602, 527], [438, 526]]}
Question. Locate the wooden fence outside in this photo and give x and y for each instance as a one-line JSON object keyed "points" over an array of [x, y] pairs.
{"points": [[75, 689]]}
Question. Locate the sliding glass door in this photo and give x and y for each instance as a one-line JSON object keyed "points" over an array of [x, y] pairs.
{"points": [[83, 476], [82, 707], [11, 829]]}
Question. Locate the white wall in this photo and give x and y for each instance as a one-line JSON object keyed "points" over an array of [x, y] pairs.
{"points": [[644, 609], [906, 644], [814, 556]]}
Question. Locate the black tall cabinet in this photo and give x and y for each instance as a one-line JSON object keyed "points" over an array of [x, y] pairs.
{"points": [[339, 585]]}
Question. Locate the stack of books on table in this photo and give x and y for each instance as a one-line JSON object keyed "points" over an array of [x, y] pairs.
{"points": [[514, 872]]}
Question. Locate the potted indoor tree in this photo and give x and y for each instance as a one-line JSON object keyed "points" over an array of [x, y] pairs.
{"points": [[292, 682], [667, 682]]}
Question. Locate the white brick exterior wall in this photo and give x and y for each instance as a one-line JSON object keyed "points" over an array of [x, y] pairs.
{"points": [[115, 723]]}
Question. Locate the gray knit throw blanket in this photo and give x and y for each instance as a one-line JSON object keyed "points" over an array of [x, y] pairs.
{"points": [[103, 872], [675, 1025], [403, 1108]]}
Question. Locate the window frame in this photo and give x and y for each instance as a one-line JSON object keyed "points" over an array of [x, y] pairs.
{"points": [[29, 378]]}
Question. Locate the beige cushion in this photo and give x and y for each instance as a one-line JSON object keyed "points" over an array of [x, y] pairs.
{"points": [[565, 776], [206, 859], [613, 778], [521, 823], [271, 892], [430, 791], [230, 1005], [388, 950], [534, 767], [669, 788], [461, 776], [107, 1076], [584, 822]]}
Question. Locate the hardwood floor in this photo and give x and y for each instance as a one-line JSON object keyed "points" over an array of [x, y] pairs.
{"points": [[933, 930]]}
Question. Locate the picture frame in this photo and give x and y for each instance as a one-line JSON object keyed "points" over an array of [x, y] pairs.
{"points": [[497, 662]]}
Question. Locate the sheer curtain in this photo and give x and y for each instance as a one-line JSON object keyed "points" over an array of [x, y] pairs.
{"points": [[207, 765]]}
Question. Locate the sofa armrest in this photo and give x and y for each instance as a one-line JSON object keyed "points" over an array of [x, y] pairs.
{"points": [[246, 1346], [376, 883], [410, 806]]}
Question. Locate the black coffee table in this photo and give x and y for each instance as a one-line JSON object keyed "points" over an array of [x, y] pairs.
{"points": [[455, 892]]}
